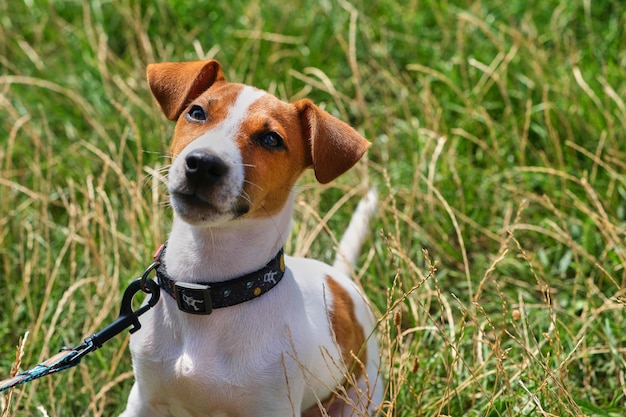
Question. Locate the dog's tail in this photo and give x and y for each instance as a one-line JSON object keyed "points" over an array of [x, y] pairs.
{"points": [[353, 237]]}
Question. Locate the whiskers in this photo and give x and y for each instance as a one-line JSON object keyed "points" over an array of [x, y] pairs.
{"points": [[157, 177]]}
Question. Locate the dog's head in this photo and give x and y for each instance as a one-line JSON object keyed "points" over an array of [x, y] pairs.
{"points": [[237, 151]]}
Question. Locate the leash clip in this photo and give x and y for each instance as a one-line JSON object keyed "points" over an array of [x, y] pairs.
{"points": [[128, 317], [154, 265]]}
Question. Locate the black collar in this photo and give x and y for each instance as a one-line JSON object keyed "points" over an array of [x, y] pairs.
{"points": [[203, 297]]}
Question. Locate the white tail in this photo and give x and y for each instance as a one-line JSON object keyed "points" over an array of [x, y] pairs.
{"points": [[352, 239]]}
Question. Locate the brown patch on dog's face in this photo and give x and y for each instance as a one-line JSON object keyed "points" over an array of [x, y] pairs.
{"points": [[215, 104], [348, 332], [274, 154]]}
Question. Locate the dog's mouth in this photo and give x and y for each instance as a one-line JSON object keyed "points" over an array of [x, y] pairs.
{"points": [[192, 200], [240, 208], [195, 208], [206, 187]]}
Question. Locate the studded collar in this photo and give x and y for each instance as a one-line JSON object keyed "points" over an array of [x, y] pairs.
{"points": [[203, 297]]}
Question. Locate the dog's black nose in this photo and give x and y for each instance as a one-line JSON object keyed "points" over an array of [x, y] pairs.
{"points": [[203, 168]]}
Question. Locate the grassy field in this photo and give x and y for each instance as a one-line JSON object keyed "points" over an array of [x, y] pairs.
{"points": [[497, 262]]}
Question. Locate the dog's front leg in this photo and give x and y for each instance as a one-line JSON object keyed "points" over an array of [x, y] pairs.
{"points": [[138, 407]]}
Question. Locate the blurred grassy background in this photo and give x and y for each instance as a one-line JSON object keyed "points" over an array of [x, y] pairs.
{"points": [[497, 262]]}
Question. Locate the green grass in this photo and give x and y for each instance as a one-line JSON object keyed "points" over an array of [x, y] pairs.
{"points": [[497, 261]]}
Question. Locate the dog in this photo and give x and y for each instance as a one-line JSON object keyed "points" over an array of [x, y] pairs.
{"points": [[243, 330]]}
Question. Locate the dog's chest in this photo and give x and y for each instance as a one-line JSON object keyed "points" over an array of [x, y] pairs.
{"points": [[210, 362], [215, 373], [217, 347]]}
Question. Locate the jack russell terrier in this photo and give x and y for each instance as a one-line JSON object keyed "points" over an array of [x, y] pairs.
{"points": [[245, 331]]}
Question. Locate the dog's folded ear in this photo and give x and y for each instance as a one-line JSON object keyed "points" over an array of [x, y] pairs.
{"points": [[335, 146], [176, 84]]}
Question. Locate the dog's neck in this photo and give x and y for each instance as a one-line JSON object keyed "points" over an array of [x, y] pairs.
{"points": [[227, 250]]}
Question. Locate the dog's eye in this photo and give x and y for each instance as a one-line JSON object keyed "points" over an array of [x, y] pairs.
{"points": [[271, 141], [196, 114]]}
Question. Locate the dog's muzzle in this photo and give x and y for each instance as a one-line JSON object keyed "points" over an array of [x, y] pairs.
{"points": [[205, 187], [204, 170]]}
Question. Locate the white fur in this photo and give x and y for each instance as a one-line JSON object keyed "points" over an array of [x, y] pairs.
{"points": [[352, 240], [274, 356]]}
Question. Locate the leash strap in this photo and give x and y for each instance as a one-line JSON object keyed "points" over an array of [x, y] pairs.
{"points": [[65, 359], [70, 357]]}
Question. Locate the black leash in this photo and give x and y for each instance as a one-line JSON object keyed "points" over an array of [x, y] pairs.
{"points": [[70, 357]]}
